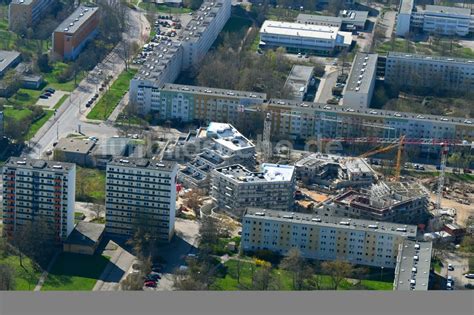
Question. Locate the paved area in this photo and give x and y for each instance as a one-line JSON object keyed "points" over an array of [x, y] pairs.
{"points": [[388, 21], [52, 100], [461, 266], [328, 81], [467, 43], [86, 209]]}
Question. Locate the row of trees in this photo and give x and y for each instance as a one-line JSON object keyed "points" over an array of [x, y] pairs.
{"points": [[16, 128]]}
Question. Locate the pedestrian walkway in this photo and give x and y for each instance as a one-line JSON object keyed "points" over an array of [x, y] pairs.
{"points": [[45, 273]]}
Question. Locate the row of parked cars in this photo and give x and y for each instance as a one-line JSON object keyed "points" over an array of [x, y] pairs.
{"points": [[151, 280], [47, 93]]}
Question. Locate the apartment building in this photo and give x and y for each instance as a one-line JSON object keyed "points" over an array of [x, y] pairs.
{"points": [[307, 120], [405, 10], [296, 37], [334, 172], [1, 125], [234, 188], [218, 145], [25, 13], [188, 103], [324, 238], [405, 203], [38, 189], [74, 32], [360, 84], [201, 32], [413, 266], [141, 192], [412, 70]]}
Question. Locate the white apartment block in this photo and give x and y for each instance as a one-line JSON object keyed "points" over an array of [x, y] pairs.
{"points": [[446, 73], [434, 19], [38, 189], [234, 188], [202, 31], [141, 193], [413, 266], [334, 172], [321, 39], [360, 84], [324, 238]]}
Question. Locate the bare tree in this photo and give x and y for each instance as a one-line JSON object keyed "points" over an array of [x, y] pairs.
{"points": [[298, 267], [7, 278], [338, 271], [98, 210]]}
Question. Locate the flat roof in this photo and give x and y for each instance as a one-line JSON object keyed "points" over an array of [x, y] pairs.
{"points": [[85, 234], [75, 145], [351, 164], [299, 79], [300, 30], [22, 2], [362, 72], [406, 6], [7, 57], [430, 58], [226, 135], [413, 266], [201, 19], [143, 163], [352, 16], [73, 22], [53, 166], [269, 173], [213, 91], [446, 10], [158, 60], [313, 18], [331, 221]]}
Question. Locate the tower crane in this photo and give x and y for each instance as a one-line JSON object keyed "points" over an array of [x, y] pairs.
{"points": [[442, 166]]}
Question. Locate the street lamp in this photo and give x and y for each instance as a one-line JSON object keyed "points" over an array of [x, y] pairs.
{"points": [[381, 273]]}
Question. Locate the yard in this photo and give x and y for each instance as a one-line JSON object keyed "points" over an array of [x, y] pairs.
{"points": [[22, 113], [26, 278], [109, 101], [152, 7], [75, 272], [90, 185], [228, 279]]}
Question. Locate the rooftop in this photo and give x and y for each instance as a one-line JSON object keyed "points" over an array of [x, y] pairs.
{"points": [[406, 6], [228, 136], [413, 266], [115, 146], [201, 19], [299, 79], [73, 22], [429, 58], [269, 173], [446, 10], [300, 30], [143, 163], [213, 91], [46, 165], [7, 57], [339, 222], [22, 2], [85, 234], [354, 165], [351, 16], [315, 19], [158, 60], [75, 145], [362, 72]]}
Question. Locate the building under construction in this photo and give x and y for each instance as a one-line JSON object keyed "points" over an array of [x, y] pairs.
{"points": [[397, 202], [334, 172]]}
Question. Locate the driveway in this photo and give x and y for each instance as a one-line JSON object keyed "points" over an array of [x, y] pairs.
{"points": [[52, 100], [328, 81], [461, 266]]}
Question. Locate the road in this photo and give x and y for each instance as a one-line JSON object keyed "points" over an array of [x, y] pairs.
{"points": [[71, 116], [461, 266], [328, 81]]}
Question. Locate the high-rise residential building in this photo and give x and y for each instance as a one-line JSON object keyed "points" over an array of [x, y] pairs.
{"points": [[234, 188], [403, 17], [38, 189], [324, 40], [423, 71], [1, 125], [25, 13], [141, 193], [405, 203], [413, 266], [361, 82], [74, 32], [324, 238]]}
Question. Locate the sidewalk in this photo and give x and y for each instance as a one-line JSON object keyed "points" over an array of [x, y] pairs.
{"points": [[45, 273]]}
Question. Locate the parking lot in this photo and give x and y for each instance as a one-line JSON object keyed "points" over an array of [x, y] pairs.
{"points": [[52, 100]]}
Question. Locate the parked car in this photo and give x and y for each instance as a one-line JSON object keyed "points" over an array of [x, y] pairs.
{"points": [[88, 105], [469, 275], [153, 277], [467, 171], [50, 90], [150, 284], [450, 267], [47, 94], [449, 286], [44, 96]]}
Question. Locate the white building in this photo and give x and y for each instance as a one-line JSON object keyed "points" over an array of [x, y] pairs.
{"points": [[413, 266], [324, 238], [38, 189], [360, 84], [404, 17], [299, 80], [234, 188], [141, 193], [298, 37]]}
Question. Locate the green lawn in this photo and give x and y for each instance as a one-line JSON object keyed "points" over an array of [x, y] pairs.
{"points": [[25, 279], [61, 101], [22, 113], [75, 272], [17, 114], [284, 14], [107, 103], [39, 123], [25, 97], [151, 7], [90, 185], [438, 48], [78, 216], [68, 86]]}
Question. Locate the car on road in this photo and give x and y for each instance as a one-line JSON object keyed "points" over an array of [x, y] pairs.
{"points": [[469, 275], [449, 286], [450, 267], [300, 55]]}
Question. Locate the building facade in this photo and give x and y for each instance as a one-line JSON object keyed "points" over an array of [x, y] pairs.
{"points": [[404, 203], [25, 13], [141, 193], [361, 82], [324, 40], [324, 238], [38, 189], [402, 28], [74, 32], [234, 188]]}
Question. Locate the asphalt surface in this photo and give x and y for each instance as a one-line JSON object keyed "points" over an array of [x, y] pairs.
{"points": [[461, 266], [328, 81]]}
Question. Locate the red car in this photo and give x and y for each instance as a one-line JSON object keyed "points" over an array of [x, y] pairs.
{"points": [[150, 284]]}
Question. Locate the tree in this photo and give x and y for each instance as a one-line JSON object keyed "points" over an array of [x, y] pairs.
{"points": [[43, 63], [297, 266], [7, 278], [338, 271], [11, 83], [98, 210]]}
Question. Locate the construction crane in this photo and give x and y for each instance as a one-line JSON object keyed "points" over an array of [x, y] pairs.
{"points": [[266, 141], [442, 166], [400, 145]]}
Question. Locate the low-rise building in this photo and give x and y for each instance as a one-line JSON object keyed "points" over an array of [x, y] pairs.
{"points": [[299, 80], [296, 37], [334, 172], [361, 82], [324, 238], [74, 32], [349, 20], [405, 203], [38, 189], [84, 239], [141, 193], [234, 188], [78, 151], [26, 13], [9, 59], [413, 266]]}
